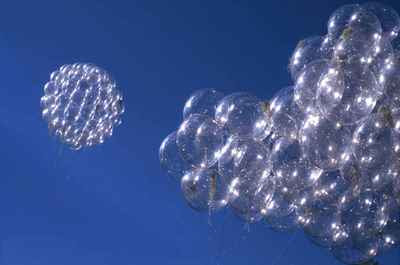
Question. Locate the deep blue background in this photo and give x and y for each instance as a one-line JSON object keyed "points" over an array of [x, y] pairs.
{"points": [[112, 204]]}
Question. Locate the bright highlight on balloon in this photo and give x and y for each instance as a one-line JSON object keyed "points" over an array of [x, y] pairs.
{"points": [[322, 155], [82, 105]]}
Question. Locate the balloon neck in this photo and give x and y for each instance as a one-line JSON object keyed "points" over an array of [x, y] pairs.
{"points": [[387, 116], [266, 107]]}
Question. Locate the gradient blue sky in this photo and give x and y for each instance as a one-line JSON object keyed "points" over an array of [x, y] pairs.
{"points": [[112, 205]]}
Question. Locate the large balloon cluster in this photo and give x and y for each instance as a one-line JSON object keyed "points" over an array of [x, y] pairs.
{"points": [[81, 104], [321, 155]]}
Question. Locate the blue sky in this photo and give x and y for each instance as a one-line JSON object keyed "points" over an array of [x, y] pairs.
{"points": [[112, 205]]}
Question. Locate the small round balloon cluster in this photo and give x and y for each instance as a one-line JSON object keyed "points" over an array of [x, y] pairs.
{"points": [[81, 104], [322, 155]]}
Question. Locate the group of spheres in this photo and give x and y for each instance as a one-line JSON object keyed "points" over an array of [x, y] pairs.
{"points": [[81, 105], [322, 155]]}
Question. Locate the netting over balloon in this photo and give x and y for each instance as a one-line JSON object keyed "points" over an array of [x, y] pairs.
{"points": [[81, 104], [322, 155]]}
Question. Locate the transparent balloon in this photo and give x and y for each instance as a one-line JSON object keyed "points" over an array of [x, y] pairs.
{"points": [[250, 194], [379, 60], [244, 115], [199, 139], [388, 17], [354, 22], [353, 253], [240, 156], [305, 89], [203, 101], [203, 190], [347, 93], [289, 166], [170, 158], [325, 142], [373, 148], [285, 115], [340, 18], [307, 51], [279, 212], [324, 227]]}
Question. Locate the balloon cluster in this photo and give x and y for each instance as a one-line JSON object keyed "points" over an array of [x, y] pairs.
{"points": [[322, 155], [81, 104]]}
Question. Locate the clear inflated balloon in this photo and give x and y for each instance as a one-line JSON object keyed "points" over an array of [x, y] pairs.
{"points": [[324, 227], [359, 31], [199, 139], [239, 156], [366, 216], [387, 16], [285, 114], [81, 104], [385, 71], [305, 89], [250, 194], [390, 78], [325, 142], [352, 48], [244, 115], [380, 60], [353, 22], [279, 212], [347, 93], [203, 190], [373, 149], [329, 188], [203, 101], [244, 165], [340, 18], [307, 51], [170, 158], [352, 253], [390, 236], [289, 166]]}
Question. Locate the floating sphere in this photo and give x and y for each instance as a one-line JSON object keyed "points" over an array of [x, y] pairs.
{"points": [[251, 194], [352, 253], [324, 227], [325, 142], [240, 156], [307, 51], [202, 190], [82, 105], [289, 166], [373, 148], [330, 186], [340, 18], [380, 60], [199, 139], [347, 93], [244, 115], [279, 212], [305, 89], [286, 117], [170, 158], [388, 17], [354, 22], [203, 101]]}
